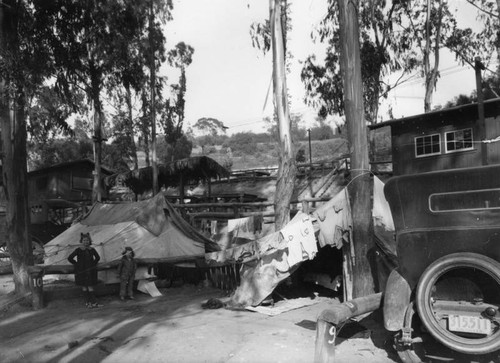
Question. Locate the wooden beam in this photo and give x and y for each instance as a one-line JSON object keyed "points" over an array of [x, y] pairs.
{"points": [[254, 204], [69, 269]]}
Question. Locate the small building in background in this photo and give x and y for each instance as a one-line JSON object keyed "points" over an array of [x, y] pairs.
{"points": [[443, 139], [57, 195]]}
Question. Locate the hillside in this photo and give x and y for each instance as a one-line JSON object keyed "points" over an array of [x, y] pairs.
{"points": [[265, 155]]}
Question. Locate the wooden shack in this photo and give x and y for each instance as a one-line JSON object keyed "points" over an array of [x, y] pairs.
{"points": [[56, 196], [445, 139], [176, 174], [63, 186]]}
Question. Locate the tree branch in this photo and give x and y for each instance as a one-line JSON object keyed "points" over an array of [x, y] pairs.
{"points": [[374, 24], [389, 16], [483, 10]]}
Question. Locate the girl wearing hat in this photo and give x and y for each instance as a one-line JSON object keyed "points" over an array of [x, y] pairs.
{"points": [[126, 273]]}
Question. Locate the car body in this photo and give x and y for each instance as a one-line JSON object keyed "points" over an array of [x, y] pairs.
{"points": [[448, 250]]}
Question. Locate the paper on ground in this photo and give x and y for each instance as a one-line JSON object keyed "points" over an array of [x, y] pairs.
{"points": [[148, 287], [286, 305]]}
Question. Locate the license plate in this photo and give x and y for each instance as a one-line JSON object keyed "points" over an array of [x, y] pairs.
{"points": [[469, 324]]}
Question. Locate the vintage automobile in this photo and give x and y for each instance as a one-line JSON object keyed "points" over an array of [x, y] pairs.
{"points": [[443, 300]]}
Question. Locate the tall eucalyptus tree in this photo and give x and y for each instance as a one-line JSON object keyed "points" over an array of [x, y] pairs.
{"points": [[24, 64], [179, 57]]}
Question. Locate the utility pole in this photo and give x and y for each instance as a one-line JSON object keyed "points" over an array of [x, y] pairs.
{"points": [[360, 185], [478, 67], [153, 105]]}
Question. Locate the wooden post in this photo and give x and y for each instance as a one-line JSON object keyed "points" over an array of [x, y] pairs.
{"points": [[305, 206], [360, 185], [478, 67], [36, 285], [326, 333], [331, 320]]}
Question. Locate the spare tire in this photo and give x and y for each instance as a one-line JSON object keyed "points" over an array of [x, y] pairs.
{"points": [[468, 266]]}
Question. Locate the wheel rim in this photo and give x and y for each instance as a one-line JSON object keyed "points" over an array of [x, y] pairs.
{"points": [[471, 269]]}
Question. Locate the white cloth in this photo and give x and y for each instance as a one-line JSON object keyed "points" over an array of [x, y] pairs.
{"points": [[241, 224], [299, 234], [213, 228], [335, 221], [382, 215]]}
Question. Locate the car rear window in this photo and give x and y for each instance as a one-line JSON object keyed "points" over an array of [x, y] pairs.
{"points": [[465, 200]]}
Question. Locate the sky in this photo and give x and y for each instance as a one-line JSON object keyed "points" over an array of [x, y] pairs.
{"points": [[229, 79]]}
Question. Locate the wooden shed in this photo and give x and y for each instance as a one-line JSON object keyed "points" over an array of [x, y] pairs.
{"points": [[444, 139], [56, 196]]}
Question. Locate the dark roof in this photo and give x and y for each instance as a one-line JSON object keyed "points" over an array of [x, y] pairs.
{"points": [[65, 165], [491, 108], [190, 170]]}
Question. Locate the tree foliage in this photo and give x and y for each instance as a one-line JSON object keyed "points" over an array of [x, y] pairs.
{"points": [[170, 152], [489, 16], [383, 51], [491, 89], [172, 115], [393, 38], [210, 126], [297, 131]]}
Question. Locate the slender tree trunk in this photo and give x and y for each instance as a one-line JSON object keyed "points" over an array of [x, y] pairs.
{"points": [[145, 128], [287, 167], [431, 74], [359, 187], [130, 129], [14, 173], [153, 105], [173, 145], [97, 187], [498, 38]]}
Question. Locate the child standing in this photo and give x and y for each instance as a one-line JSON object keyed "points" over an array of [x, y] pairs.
{"points": [[126, 273], [85, 268]]}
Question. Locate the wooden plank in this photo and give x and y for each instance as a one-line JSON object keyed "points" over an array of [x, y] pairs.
{"points": [[69, 269], [250, 204]]}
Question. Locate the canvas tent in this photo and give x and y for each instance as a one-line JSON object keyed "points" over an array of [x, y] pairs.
{"points": [[151, 227]]}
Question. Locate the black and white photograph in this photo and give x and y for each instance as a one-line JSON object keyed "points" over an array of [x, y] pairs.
{"points": [[261, 181]]}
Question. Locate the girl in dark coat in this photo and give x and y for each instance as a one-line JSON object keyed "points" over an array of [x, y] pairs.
{"points": [[85, 268], [126, 273]]}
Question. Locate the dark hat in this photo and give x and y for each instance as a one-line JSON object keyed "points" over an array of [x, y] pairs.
{"points": [[128, 249]]}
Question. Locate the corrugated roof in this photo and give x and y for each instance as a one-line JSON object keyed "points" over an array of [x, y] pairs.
{"points": [[491, 107]]}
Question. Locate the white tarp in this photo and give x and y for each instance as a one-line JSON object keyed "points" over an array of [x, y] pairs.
{"points": [[141, 225]]}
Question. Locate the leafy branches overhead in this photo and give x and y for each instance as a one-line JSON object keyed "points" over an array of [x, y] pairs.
{"points": [[489, 15], [383, 50], [47, 114], [395, 37]]}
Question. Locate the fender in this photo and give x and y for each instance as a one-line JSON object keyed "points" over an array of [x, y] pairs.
{"points": [[396, 300]]}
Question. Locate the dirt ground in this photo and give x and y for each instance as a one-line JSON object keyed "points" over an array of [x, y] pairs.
{"points": [[175, 328]]}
